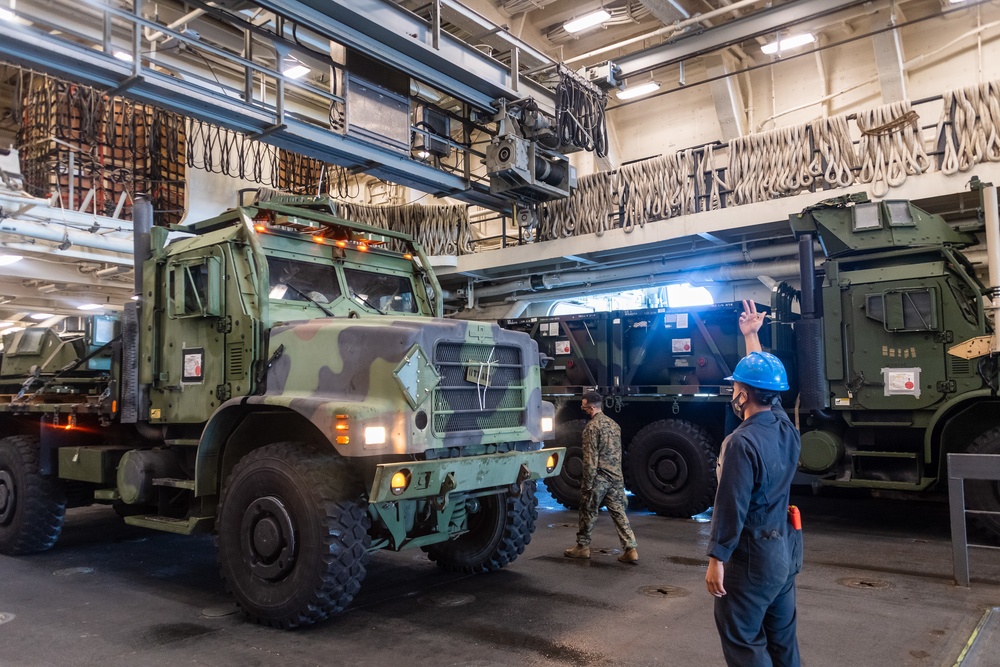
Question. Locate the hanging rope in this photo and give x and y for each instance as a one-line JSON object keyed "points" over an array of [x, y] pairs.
{"points": [[834, 161], [441, 230], [969, 128], [891, 147]]}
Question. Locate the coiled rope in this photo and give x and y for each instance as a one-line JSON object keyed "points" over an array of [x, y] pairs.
{"points": [[441, 230]]}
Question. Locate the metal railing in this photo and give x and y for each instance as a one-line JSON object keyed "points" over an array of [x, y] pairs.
{"points": [[960, 468]]}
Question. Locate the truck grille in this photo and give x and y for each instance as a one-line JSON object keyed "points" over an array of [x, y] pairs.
{"points": [[461, 403]]}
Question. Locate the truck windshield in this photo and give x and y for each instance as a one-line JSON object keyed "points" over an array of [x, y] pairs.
{"points": [[384, 292], [293, 281]]}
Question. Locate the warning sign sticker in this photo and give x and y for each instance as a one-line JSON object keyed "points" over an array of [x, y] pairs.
{"points": [[194, 365], [901, 381], [562, 347], [680, 345]]}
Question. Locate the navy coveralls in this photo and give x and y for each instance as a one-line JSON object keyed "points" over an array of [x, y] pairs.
{"points": [[752, 535]]}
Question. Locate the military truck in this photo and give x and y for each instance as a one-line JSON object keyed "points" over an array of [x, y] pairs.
{"points": [[285, 380], [662, 372], [888, 355]]}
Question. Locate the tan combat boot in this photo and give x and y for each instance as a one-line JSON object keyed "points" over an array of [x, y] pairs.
{"points": [[577, 552], [631, 556]]}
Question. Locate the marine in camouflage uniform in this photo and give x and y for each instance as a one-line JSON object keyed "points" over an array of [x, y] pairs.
{"points": [[602, 481]]}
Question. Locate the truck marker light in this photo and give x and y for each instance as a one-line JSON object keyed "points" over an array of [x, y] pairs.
{"points": [[114, 406], [343, 440], [375, 435], [363, 247], [407, 256], [319, 239], [546, 424], [341, 244], [260, 229], [342, 426], [551, 462], [70, 423], [399, 482]]}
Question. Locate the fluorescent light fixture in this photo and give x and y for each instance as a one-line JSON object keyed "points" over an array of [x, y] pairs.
{"points": [[587, 21], [955, 2], [7, 15], [296, 70], [90, 306], [790, 42], [121, 55], [423, 155], [11, 330], [9, 259], [638, 91], [41, 316]]}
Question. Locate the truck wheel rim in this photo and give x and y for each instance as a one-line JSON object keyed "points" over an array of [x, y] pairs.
{"points": [[668, 470], [267, 534], [7, 496]]}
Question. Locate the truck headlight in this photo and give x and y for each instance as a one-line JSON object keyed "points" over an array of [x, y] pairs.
{"points": [[375, 435], [547, 424]]}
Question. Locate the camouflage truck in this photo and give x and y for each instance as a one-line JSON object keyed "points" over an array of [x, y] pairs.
{"points": [[285, 380]]}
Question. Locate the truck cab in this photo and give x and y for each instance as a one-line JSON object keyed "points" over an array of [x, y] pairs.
{"points": [[283, 379]]}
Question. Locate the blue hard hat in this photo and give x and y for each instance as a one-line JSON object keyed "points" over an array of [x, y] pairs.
{"points": [[761, 370]]}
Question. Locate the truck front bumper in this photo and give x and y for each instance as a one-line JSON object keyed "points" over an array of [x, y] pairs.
{"points": [[438, 478]]}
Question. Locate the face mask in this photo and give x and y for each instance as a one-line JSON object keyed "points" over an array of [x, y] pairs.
{"points": [[737, 406]]}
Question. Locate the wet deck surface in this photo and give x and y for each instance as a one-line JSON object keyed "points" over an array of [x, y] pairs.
{"points": [[876, 589]]}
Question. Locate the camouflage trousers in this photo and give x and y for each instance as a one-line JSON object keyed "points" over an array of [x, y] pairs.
{"points": [[612, 495]]}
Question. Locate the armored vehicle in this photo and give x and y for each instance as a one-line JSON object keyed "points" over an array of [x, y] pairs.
{"points": [[886, 343], [284, 380]]}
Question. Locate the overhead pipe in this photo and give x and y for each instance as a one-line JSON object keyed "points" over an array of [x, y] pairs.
{"points": [[61, 234], [556, 280]]}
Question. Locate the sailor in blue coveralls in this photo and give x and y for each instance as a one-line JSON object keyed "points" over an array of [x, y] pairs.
{"points": [[754, 552]]}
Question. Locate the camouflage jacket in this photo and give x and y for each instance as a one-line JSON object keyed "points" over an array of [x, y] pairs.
{"points": [[602, 449]]}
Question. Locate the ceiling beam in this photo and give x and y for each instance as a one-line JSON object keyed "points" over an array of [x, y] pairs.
{"points": [[766, 21]]}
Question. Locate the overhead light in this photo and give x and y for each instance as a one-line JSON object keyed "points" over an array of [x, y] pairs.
{"points": [[790, 42], [955, 2], [7, 15], [11, 330], [90, 306], [122, 55], [9, 259], [48, 288], [295, 69], [423, 155], [41, 316], [587, 21], [638, 91]]}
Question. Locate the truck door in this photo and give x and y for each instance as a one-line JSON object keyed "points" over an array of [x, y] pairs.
{"points": [[190, 344], [897, 360]]}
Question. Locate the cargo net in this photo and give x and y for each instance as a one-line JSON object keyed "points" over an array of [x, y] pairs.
{"points": [[94, 153]]}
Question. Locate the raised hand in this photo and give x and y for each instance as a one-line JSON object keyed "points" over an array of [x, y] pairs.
{"points": [[750, 320]]}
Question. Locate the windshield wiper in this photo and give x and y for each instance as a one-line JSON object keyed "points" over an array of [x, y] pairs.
{"points": [[309, 299], [367, 303]]}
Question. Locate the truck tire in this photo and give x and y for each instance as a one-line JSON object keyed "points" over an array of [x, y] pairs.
{"points": [[497, 535], [671, 468], [565, 487], [292, 536], [984, 495], [32, 506]]}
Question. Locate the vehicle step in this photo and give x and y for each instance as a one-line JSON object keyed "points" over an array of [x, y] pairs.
{"points": [[175, 483], [189, 526], [190, 442]]}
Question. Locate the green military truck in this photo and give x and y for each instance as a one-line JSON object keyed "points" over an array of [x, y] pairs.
{"points": [[284, 379], [888, 352]]}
